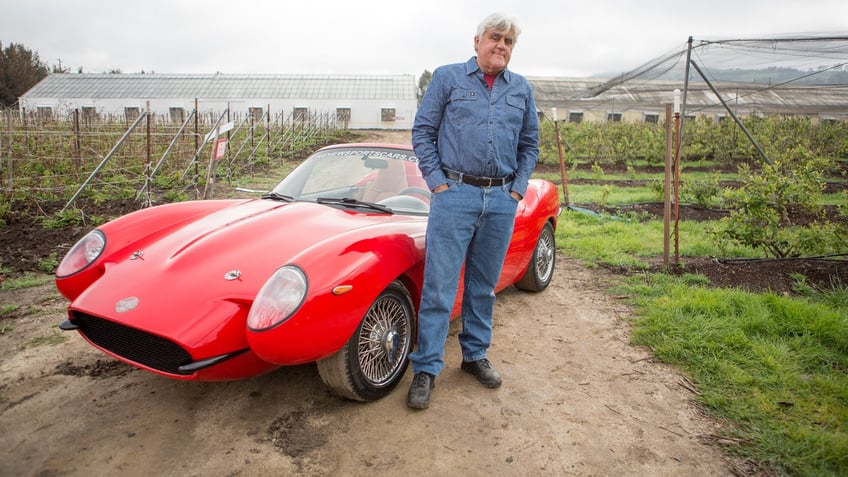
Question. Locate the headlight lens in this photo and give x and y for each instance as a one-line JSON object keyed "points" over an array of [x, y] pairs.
{"points": [[278, 299], [82, 254]]}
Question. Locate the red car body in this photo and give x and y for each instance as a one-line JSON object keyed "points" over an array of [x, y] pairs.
{"points": [[171, 287]]}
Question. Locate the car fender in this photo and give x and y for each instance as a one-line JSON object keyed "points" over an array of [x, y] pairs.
{"points": [[539, 206], [345, 275]]}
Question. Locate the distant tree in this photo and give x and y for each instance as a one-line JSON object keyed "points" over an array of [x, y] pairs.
{"points": [[20, 70], [423, 82], [59, 68]]}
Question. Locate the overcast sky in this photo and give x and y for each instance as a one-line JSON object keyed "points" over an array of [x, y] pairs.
{"points": [[560, 37]]}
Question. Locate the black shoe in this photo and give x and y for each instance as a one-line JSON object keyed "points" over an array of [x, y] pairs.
{"points": [[419, 392], [484, 372]]}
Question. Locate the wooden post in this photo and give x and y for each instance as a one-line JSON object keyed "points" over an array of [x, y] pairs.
{"points": [[10, 181], [667, 186], [196, 145], [268, 132], [77, 147], [149, 166], [676, 162], [208, 186], [562, 172]]}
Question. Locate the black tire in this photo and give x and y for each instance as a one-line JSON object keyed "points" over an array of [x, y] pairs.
{"points": [[540, 271], [373, 361]]}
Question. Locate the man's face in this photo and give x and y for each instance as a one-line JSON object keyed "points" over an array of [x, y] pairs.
{"points": [[494, 50]]}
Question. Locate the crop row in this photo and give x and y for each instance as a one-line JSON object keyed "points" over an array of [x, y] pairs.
{"points": [[722, 141], [50, 161]]}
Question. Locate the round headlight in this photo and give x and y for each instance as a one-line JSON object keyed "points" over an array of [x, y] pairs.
{"points": [[82, 254], [279, 298]]}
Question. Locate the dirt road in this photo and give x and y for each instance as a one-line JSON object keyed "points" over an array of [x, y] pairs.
{"points": [[577, 399]]}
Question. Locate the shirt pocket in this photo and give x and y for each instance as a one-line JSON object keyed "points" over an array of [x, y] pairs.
{"points": [[463, 108], [515, 111]]}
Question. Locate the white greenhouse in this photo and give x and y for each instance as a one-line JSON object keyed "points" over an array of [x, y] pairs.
{"points": [[353, 101]]}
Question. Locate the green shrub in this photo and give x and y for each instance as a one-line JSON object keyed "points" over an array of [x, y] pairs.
{"points": [[701, 192], [762, 209]]}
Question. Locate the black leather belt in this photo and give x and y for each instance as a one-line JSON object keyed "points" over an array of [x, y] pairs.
{"points": [[477, 180]]}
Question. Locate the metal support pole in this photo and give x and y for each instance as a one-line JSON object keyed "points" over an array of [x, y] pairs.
{"points": [[105, 159], [685, 95], [196, 160], [732, 114], [167, 151]]}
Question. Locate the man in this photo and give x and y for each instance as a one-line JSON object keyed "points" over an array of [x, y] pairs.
{"points": [[476, 135]]}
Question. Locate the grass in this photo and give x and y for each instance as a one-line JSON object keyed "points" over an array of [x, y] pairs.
{"points": [[8, 309], [773, 366], [29, 280], [610, 194], [54, 337], [644, 176], [773, 369], [628, 242]]}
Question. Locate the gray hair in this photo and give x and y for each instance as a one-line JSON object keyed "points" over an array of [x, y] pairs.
{"points": [[498, 22]]}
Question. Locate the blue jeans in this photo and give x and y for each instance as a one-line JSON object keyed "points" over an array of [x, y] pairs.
{"points": [[470, 225]]}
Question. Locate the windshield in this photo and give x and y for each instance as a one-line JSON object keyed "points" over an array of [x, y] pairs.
{"points": [[384, 176]]}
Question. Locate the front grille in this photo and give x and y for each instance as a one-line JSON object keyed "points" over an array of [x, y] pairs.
{"points": [[135, 345]]}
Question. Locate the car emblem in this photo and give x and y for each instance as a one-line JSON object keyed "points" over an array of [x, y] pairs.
{"points": [[136, 255], [232, 275], [126, 304]]}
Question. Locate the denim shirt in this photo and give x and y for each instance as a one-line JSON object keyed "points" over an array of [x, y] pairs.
{"points": [[464, 126]]}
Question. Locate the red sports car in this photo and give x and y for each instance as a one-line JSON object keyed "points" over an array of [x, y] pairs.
{"points": [[325, 267]]}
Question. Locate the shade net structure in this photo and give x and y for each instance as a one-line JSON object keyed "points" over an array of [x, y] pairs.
{"points": [[798, 75]]}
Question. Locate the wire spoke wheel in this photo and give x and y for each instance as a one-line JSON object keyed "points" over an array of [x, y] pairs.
{"points": [[540, 271], [373, 361], [384, 340], [544, 257]]}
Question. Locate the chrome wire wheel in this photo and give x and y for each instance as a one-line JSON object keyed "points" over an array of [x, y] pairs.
{"points": [[540, 270], [544, 256], [384, 340], [374, 359]]}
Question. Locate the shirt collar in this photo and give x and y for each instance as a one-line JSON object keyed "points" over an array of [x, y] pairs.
{"points": [[472, 67]]}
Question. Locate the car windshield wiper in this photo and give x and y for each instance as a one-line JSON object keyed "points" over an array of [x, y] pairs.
{"points": [[348, 202], [278, 196]]}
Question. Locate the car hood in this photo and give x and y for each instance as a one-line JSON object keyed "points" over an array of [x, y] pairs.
{"points": [[195, 279]]}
